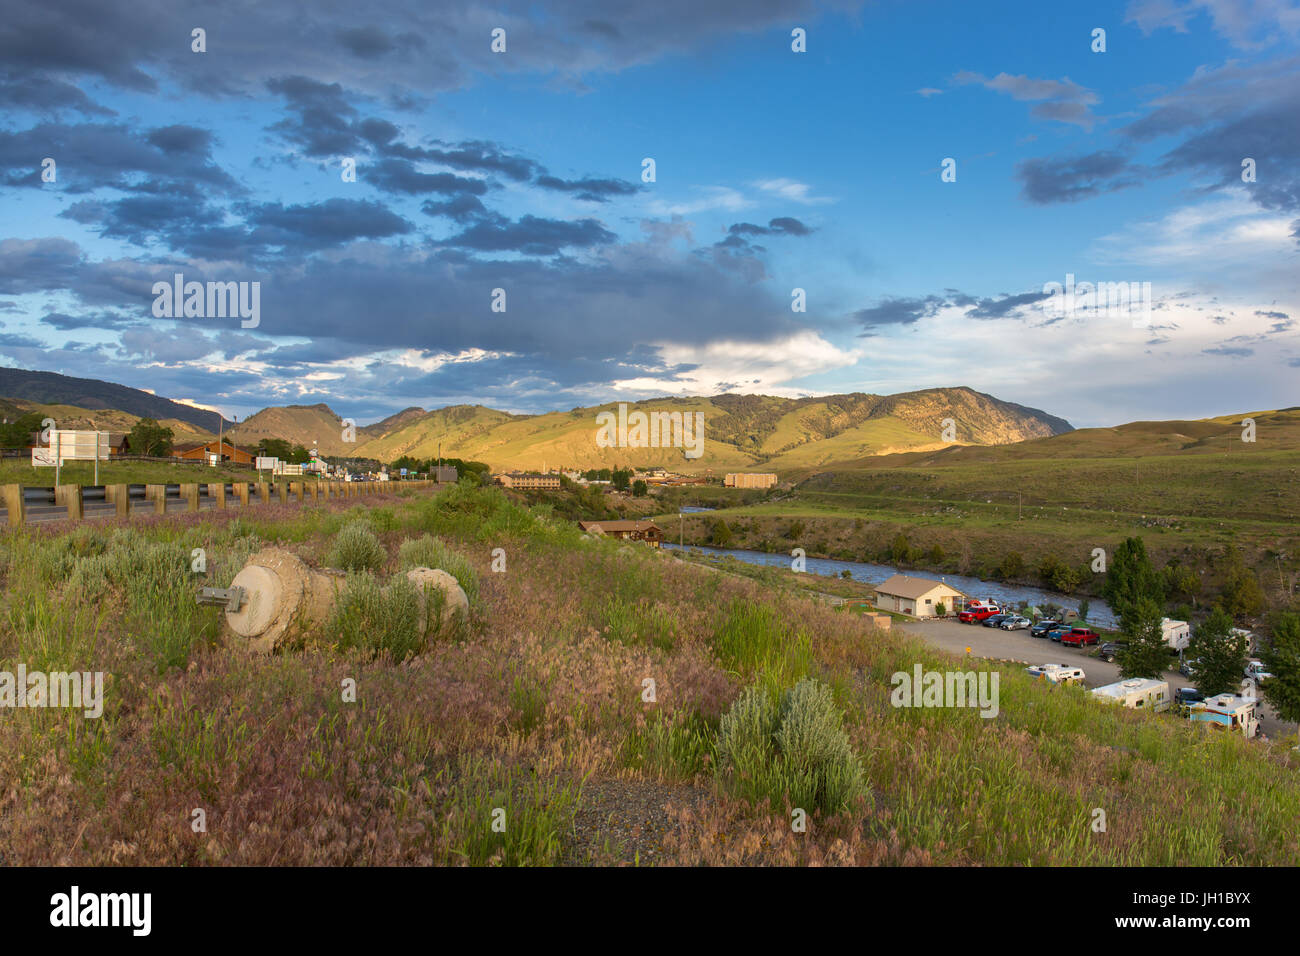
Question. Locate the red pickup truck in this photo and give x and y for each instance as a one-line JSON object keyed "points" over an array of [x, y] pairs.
{"points": [[978, 614], [1079, 636]]}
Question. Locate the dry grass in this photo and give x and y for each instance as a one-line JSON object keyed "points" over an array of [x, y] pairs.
{"points": [[542, 697]]}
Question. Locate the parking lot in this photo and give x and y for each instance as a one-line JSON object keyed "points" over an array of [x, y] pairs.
{"points": [[997, 644]]}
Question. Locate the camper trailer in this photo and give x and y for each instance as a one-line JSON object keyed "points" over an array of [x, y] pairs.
{"points": [[1177, 634], [1056, 673], [1227, 710], [1138, 693]]}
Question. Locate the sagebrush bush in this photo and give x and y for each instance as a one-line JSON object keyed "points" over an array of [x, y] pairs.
{"points": [[799, 749], [377, 619], [357, 549], [427, 551]]}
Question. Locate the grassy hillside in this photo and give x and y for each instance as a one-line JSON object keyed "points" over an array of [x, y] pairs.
{"points": [[538, 710], [741, 431], [95, 395], [106, 420], [1191, 489]]}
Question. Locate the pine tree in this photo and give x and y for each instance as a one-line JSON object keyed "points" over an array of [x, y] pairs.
{"points": [[1220, 655], [1147, 654]]}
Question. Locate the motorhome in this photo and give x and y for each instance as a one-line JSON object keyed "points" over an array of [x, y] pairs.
{"points": [[1227, 710], [1056, 673], [1138, 693]]}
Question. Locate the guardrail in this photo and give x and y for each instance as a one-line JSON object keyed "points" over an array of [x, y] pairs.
{"points": [[23, 504]]}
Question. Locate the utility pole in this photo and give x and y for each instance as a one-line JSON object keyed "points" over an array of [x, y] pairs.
{"points": [[94, 426], [221, 449]]}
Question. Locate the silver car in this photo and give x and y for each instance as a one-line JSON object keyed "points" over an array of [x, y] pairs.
{"points": [[1014, 623]]}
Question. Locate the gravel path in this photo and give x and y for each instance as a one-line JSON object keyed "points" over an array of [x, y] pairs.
{"points": [[623, 822]]}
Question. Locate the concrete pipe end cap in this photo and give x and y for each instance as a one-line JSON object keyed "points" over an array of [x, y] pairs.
{"points": [[264, 593]]}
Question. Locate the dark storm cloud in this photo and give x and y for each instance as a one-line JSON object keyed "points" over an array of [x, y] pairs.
{"points": [[909, 311], [1061, 179], [592, 190], [997, 308], [46, 95], [96, 155], [324, 224], [899, 311], [432, 46], [462, 209], [91, 320], [400, 176], [322, 123], [532, 236], [1223, 116], [38, 265], [370, 42], [781, 226]]}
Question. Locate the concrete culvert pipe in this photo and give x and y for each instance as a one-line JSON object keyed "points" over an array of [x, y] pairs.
{"points": [[433, 582], [284, 599]]}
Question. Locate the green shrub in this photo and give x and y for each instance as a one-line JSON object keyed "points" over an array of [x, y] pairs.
{"points": [[357, 549], [798, 750], [430, 552], [379, 621]]}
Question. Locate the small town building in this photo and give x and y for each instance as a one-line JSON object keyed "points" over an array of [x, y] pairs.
{"points": [[528, 481], [748, 480], [916, 596], [628, 530], [203, 451]]}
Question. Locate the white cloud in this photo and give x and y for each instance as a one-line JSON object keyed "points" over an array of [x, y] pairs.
{"points": [[751, 367], [791, 190]]}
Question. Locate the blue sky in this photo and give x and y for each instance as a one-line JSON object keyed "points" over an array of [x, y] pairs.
{"points": [[775, 170]]}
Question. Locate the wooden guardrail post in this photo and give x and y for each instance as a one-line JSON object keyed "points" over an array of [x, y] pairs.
{"points": [[13, 495], [158, 495], [282, 491], [264, 492], [120, 497], [295, 489], [69, 496], [190, 494], [241, 492], [217, 492]]}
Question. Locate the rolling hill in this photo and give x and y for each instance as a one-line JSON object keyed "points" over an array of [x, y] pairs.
{"points": [[741, 431], [51, 388]]}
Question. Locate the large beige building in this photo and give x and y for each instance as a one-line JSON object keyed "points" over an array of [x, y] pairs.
{"points": [[747, 480], [915, 596], [529, 481]]}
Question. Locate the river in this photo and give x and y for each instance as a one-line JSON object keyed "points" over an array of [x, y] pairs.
{"points": [[1098, 611]]}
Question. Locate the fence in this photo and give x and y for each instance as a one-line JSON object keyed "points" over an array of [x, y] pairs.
{"points": [[80, 502]]}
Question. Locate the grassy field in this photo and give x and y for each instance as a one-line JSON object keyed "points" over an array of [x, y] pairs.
{"points": [[966, 510], [537, 717], [19, 471]]}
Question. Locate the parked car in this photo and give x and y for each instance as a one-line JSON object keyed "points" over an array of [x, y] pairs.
{"points": [[1058, 632], [1079, 636], [1110, 650], [1255, 671], [969, 616], [995, 619], [1187, 668], [1186, 696], [1014, 623], [1042, 627]]}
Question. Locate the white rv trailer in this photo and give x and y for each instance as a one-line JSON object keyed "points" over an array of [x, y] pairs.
{"points": [[1056, 673], [1138, 693], [1177, 634], [1227, 710]]}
